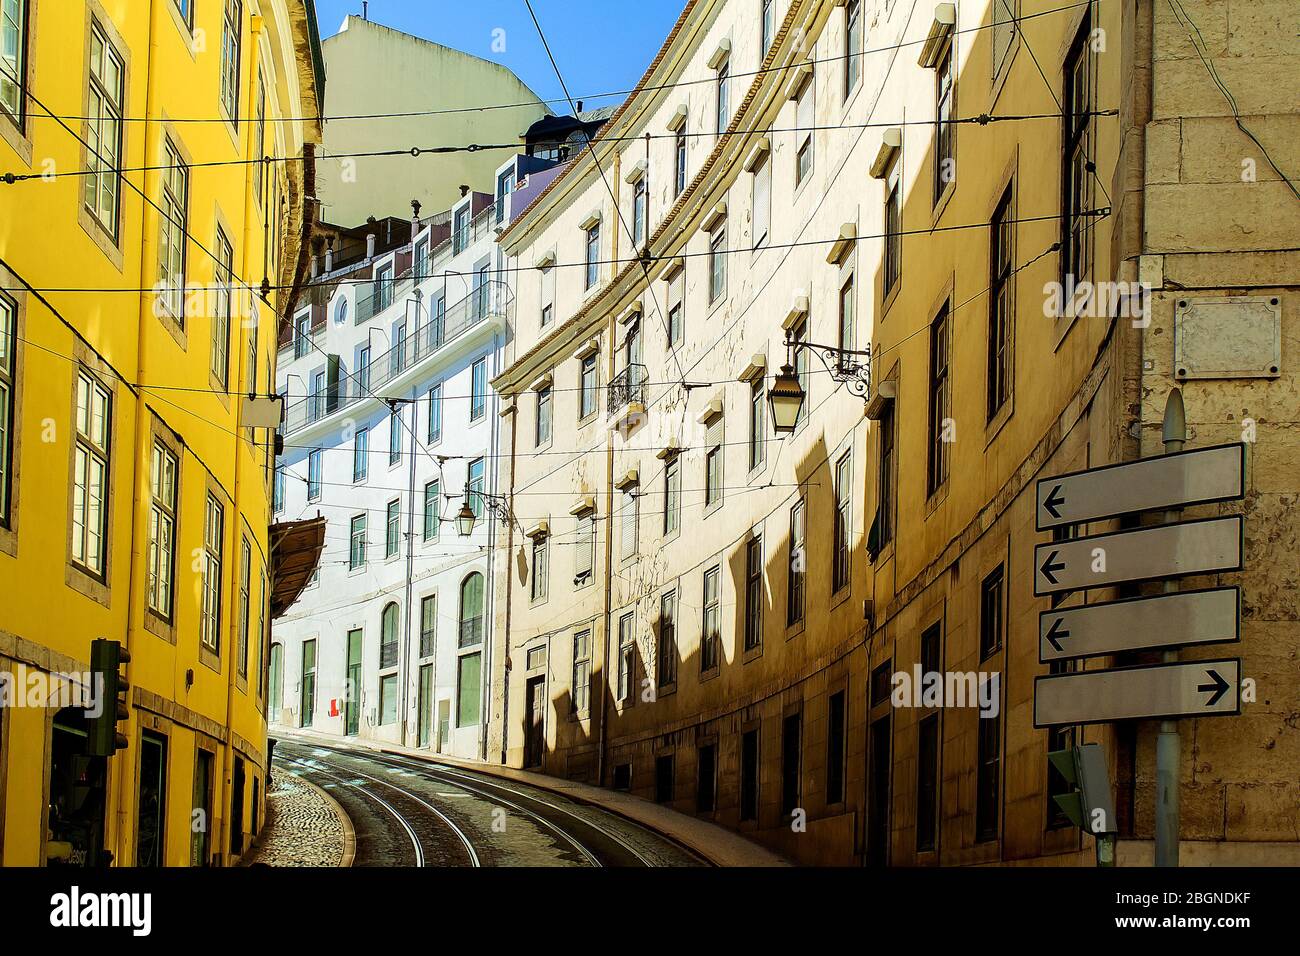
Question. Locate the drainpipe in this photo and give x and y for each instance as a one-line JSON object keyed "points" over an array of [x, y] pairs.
{"points": [[250, 233], [611, 326], [148, 254]]}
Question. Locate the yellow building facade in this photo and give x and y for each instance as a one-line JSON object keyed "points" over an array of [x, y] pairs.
{"points": [[147, 251], [705, 615]]}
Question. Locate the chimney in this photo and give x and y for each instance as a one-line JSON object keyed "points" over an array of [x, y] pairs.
{"points": [[370, 245], [415, 218], [365, 9], [329, 254], [579, 106], [464, 191], [315, 263]]}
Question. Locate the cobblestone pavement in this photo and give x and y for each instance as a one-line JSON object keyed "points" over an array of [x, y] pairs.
{"points": [[302, 826]]}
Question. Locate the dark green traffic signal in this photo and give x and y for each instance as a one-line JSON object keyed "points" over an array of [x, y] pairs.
{"points": [[106, 659]]}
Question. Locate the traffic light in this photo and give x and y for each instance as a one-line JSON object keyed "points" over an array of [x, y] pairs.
{"points": [[106, 657], [1088, 802]]}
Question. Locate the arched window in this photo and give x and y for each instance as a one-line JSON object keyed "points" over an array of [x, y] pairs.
{"points": [[341, 311], [388, 636], [471, 610]]}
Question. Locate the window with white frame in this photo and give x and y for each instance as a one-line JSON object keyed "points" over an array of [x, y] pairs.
{"points": [[581, 672], [713, 445], [718, 263], [592, 255], [91, 474], [804, 121], [393, 528], [162, 530], [225, 276], [13, 60], [541, 567], [213, 552], [103, 131], [395, 435], [584, 548], [432, 510], [245, 603], [676, 307], [314, 465], [173, 230], [852, 46], [435, 413], [640, 201], [629, 519], [722, 117], [587, 392], [672, 494], [478, 390], [767, 28], [543, 424], [230, 44], [361, 454], [8, 363], [357, 542], [762, 197]]}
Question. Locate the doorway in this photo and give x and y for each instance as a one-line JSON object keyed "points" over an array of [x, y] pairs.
{"points": [[237, 808], [352, 688], [535, 722], [77, 794], [424, 715]]}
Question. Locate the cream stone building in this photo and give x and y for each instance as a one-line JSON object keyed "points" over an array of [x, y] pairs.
{"points": [[699, 610]]}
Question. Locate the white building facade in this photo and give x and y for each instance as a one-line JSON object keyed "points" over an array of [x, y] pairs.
{"points": [[389, 420]]}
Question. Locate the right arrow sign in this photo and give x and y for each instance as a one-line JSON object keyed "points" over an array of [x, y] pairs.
{"points": [[1182, 689], [1207, 616], [1199, 476], [1160, 551]]}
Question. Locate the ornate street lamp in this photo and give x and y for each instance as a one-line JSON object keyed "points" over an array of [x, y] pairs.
{"points": [[786, 395], [465, 518]]}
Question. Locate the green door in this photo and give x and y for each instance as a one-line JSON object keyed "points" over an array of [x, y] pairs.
{"points": [[352, 689], [425, 716], [308, 703]]}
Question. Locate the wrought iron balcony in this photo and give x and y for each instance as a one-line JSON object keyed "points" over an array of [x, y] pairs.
{"points": [[627, 388]]}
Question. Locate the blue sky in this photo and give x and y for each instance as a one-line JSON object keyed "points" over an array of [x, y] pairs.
{"points": [[600, 45]]}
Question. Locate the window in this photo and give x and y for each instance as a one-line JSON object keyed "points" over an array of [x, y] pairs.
{"points": [[593, 255], [395, 435], [666, 653], [428, 624], [848, 328], [927, 783], [713, 436], [852, 46], [8, 351], [225, 277], [843, 524], [767, 15], [885, 479], [791, 754], [991, 621], [626, 655], [835, 750], [581, 671], [548, 295], [388, 619], [940, 398], [162, 530], [13, 60], [665, 774], [679, 154], [245, 602], [277, 492], [468, 667], [797, 583], [213, 546], [307, 702], [541, 568], [587, 393], [505, 184], [435, 413], [91, 475], [392, 528], [762, 200], [710, 632], [230, 40], [672, 494], [172, 225], [1076, 245], [1001, 297], [432, 510], [717, 264], [314, 474], [804, 120], [361, 454], [398, 354], [543, 425], [723, 115], [749, 775], [706, 784], [676, 307], [584, 548], [388, 699], [478, 390], [629, 519], [987, 777], [753, 593], [474, 484], [259, 141], [103, 131], [357, 543], [893, 254], [471, 611], [1004, 32], [945, 133], [460, 235], [640, 198]]}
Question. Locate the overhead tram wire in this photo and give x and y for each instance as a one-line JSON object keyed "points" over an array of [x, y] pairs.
{"points": [[565, 100]]}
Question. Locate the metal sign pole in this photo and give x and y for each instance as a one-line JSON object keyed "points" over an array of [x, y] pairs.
{"points": [[1174, 434]]}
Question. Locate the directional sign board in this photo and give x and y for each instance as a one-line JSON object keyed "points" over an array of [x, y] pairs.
{"points": [[1199, 476], [1181, 689], [1207, 616], [1162, 551]]}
